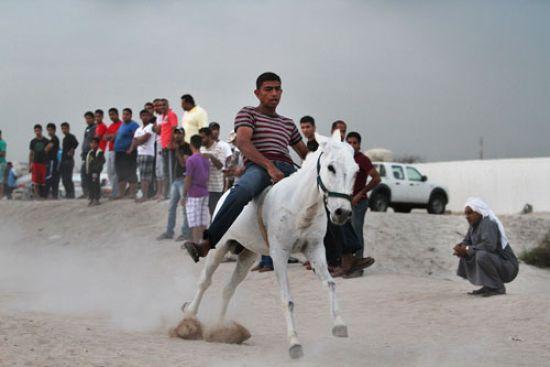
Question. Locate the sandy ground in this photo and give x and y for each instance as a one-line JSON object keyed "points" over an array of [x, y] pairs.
{"points": [[92, 287]]}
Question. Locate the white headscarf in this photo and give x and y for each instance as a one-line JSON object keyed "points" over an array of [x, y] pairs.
{"points": [[479, 206]]}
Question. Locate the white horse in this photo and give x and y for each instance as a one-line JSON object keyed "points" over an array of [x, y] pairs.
{"points": [[293, 216]]}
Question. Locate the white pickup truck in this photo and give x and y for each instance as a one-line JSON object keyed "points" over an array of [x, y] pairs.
{"points": [[404, 188]]}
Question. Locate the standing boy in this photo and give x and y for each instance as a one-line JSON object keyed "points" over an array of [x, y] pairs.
{"points": [[67, 160], [196, 188], [144, 140], [37, 161], [100, 129], [52, 174], [94, 165], [110, 136], [307, 125], [126, 156], [89, 133], [177, 194], [10, 180], [216, 157]]}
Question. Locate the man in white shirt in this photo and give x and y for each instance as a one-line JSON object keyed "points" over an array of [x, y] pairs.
{"points": [[194, 117], [144, 141], [215, 129], [216, 156]]}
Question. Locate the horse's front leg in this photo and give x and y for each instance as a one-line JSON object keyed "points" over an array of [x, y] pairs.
{"points": [[280, 261], [213, 260], [317, 257]]}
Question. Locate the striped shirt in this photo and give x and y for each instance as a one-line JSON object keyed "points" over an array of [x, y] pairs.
{"points": [[272, 134]]}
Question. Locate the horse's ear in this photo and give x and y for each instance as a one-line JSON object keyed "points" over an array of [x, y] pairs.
{"points": [[323, 142], [336, 136]]}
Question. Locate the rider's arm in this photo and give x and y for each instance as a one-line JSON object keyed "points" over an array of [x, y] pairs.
{"points": [[301, 149]]}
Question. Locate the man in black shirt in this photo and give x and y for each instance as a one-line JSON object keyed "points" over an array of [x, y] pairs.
{"points": [[52, 164], [89, 133], [67, 160], [182, 152], [37, 161], [307, 125]]}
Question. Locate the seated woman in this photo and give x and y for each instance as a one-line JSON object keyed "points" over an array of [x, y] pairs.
{"points": [[486, 257]]}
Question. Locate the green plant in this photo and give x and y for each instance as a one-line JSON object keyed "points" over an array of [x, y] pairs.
{"points": [[540, 255]]}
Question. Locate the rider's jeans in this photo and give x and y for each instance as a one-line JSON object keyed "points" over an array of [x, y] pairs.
{"points": [[254, 180]]}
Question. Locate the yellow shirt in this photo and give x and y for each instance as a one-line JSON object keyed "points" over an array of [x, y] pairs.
{"points": [[193, 120]]}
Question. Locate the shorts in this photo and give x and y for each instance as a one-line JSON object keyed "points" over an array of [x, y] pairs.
{"points": [[39, 173], [146, 165], [198, 214], [2, 170], [126, 166]]}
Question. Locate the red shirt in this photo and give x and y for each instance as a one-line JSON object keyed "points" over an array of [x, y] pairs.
{"points": [[365, 166], [100, 131], [112, 130], [169, 121]]}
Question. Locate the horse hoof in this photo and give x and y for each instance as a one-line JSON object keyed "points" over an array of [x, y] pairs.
{"points": [[296, 351], [340, 331]]}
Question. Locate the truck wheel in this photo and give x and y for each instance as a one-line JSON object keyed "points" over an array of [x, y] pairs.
{"points": [[437, 204], [379, 202]]}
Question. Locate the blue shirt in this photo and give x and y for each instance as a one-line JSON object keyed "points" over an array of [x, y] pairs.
{"points": [[11, 179], [125, 135]]}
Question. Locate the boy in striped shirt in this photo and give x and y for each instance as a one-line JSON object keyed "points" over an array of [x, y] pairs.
{"points": [[263, 137]]}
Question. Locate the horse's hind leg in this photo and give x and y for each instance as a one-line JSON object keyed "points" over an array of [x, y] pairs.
{"points": [[213, 259], [245, 260], [316, 256]]}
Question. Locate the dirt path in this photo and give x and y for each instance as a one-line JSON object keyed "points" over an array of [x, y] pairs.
{"points": [[73, 296]]}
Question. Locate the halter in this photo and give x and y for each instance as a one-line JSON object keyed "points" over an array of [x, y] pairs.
{"points": [[323, 188]]}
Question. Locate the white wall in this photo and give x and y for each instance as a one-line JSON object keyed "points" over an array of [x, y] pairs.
{"points": [[505, 184]]}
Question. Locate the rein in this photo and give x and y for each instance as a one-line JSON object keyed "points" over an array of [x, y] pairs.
{"points": [[323, 188]]}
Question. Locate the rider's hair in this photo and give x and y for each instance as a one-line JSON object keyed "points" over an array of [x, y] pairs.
{"points": [[267, 77], [335, 124]]}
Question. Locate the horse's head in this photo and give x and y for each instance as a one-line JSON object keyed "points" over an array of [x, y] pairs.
{"points": [[336, 170]]}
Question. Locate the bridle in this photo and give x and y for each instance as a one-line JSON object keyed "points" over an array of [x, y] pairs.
{"points": [[324, 189]]}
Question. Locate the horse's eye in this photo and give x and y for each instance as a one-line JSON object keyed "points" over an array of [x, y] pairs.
{"points": [[331, 168]]}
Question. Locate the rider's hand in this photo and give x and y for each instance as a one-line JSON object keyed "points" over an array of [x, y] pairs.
{"points": [[275, 174]]}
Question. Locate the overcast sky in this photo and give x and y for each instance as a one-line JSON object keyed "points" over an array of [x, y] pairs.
{"points": [[424, 78]]}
